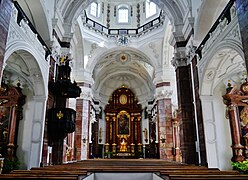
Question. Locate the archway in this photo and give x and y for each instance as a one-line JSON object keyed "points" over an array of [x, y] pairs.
{"points": [[22, 67], [225, 64]]}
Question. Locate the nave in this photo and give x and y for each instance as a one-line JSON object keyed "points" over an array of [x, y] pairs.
{"points": [[126, 169]]}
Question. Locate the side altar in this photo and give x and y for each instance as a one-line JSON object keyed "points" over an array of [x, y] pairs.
{"points": [[236, 101]]}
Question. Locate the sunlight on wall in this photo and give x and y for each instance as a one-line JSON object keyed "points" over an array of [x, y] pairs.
{"points": [[86, 59]]}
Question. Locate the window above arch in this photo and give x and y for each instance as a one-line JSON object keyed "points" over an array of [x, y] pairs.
{"points": [[95, 9], [151, 8], [123, 14]]}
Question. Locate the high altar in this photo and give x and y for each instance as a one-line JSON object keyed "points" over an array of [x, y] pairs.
{"points": [[123, 124]]}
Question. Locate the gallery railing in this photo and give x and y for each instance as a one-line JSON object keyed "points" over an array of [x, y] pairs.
{"points": [[20, 16], [153, 24], [227, 15]]}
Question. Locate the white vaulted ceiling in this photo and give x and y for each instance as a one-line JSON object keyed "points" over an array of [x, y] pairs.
{"points": [[126, 68]]}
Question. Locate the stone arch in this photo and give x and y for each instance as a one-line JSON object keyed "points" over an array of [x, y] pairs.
{"points": [[225, 61], [208, 61], [24, 62], [138, 77], [98, 59], [175, 11]]}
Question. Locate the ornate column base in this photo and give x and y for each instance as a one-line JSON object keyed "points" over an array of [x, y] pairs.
{"points": [[238, 153]]}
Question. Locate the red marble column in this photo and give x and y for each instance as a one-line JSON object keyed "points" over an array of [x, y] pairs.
{"points": [[11, 145], [165, 129], [138, 131], [78, 131], [235, 133], [114, 130], [13, 126], [132, 133], [5, 15]]}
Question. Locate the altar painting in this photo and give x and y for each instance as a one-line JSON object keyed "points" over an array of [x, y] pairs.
{"points": [[4, 123], [123, 123]]}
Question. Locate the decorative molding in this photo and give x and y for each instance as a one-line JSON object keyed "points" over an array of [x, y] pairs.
{"points": [[154, 49], [219, 31], [164, 94], [180, 62], [85, 95]]}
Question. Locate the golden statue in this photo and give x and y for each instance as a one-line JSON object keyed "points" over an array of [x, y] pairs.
{"points": [[123, 147]]}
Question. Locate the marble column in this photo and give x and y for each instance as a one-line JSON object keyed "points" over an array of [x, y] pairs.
{"points": [[85, 129], [236, 133], [164, 111], [165, 130], [82, 122], [186, 109], [114, 130], [78, 131]]}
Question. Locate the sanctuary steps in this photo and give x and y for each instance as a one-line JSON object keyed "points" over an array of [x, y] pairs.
{"points": [[165, 169]]}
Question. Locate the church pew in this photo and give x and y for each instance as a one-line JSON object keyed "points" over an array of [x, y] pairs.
{"points": [[38, 176], [51, 172], [207, 176]]}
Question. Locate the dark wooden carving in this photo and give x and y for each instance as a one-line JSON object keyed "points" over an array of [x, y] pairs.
{"points": [[11, 102], [237, 104]]}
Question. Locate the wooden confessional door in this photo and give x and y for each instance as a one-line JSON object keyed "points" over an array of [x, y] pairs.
{"points": [[123, 123]]}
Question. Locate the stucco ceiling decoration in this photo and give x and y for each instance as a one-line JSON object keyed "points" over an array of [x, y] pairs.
{"points": [[126, 68]]}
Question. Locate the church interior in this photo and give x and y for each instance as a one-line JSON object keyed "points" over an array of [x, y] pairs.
{"points": [[123, 82]]}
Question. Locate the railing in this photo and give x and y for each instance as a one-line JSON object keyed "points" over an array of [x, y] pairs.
{"points": [[226, 15], [91, 24], [21, 15]]}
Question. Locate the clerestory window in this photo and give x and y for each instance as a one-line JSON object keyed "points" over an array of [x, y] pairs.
{"points": [[151, 8], [95, 9], [123, 14]]}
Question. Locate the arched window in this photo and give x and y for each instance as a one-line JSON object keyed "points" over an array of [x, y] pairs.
{"points": [[95, 9], [123, 12], [151, 8]]}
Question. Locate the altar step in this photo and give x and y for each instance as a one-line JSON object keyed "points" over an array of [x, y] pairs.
{"points": [[125, 169]]}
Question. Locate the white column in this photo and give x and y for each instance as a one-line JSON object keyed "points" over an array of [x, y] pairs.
{"points": [[217, 133], [37, 131], [210, 131]]}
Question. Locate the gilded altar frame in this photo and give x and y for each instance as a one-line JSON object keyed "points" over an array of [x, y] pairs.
{"points": [[121, 124]]}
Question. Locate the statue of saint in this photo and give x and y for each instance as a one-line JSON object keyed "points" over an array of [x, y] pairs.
{"points": [[123, 147]]}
